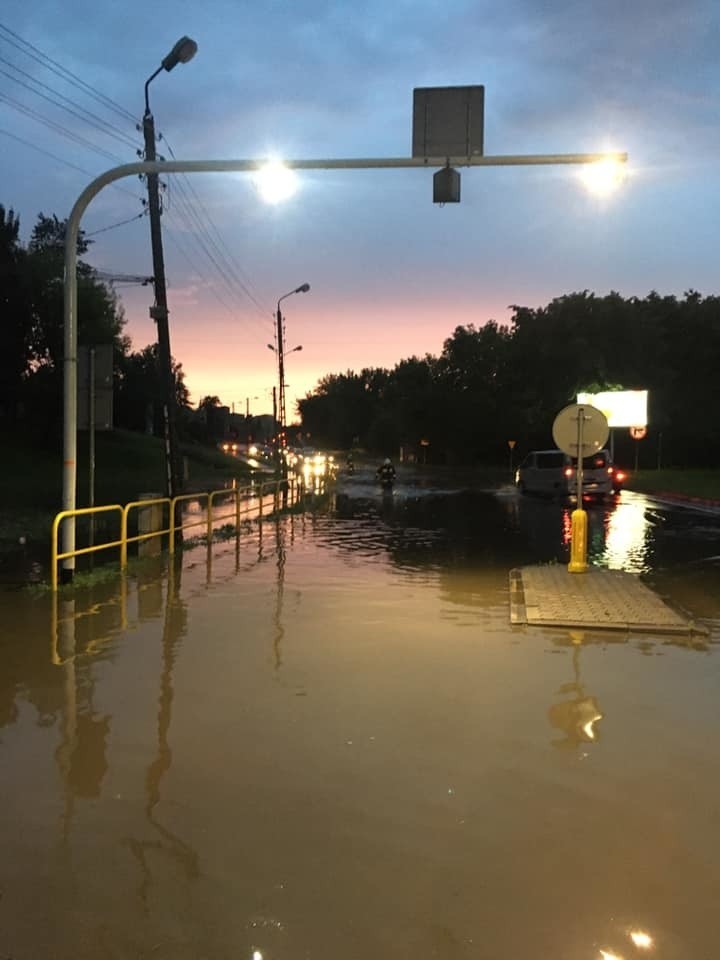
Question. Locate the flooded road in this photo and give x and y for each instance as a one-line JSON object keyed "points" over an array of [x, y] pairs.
{"points": [[329, 742]]}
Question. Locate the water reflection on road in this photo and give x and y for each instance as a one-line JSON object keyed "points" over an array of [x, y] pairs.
{"points": [[329, 742]]}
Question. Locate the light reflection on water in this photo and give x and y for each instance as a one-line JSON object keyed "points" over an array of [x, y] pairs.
{"points": [[328, 741]]}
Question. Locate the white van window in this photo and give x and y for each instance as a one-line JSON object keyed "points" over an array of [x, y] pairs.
{"points": [[550, 461]]}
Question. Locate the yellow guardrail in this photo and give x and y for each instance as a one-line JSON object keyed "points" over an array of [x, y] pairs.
{"points": [[56, 556], [286, 492]]}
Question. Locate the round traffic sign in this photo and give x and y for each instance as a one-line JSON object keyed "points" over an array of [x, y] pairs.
{"points": [[638, 433], [579, 430]]}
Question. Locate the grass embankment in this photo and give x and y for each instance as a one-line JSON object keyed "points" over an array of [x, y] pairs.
{"points": [[685, 484], [126, 464]]}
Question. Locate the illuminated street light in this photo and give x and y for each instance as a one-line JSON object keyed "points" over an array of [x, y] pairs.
{"points": [[604, 177], [275, 182]]}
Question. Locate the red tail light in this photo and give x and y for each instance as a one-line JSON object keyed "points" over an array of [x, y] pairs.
{"points": [[620, 475]]}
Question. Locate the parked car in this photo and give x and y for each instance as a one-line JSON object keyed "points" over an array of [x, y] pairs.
{"points": [[553, 473]]}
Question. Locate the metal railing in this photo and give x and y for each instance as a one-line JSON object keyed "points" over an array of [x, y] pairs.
{"points": [[248, 503]]}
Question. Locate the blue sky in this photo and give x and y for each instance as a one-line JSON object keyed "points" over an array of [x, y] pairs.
{"points": [[391, 274]]}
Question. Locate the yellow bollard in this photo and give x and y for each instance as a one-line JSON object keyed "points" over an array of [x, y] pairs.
{"points": [[578, 543]]}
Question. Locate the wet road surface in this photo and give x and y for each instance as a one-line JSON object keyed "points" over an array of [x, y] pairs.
{"points": [[329, 742]]}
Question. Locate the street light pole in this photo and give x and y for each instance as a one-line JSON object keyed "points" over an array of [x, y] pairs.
{"points": [[183, 51], [303, 288], [281, 375]]}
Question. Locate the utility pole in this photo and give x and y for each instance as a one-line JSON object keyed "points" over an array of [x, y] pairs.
{"points": [[282, 464], [159, 313], [281, 374], [183, 51], [277, 436]]}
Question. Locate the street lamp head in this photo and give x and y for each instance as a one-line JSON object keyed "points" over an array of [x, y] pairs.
{"points": [[183, 51], [271, 347], [295, 349], [603, 177], [303, 289]]}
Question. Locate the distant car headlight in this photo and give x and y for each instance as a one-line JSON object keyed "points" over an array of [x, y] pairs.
{"points": [[253, 450]]}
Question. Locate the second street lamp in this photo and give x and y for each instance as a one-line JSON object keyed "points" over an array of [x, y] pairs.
{"points": [[303, 288], [280, 421], [183, 51]]}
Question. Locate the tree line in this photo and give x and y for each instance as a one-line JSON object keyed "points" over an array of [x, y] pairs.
{"points": [[490, 384], [31, 326], [497, 383]]}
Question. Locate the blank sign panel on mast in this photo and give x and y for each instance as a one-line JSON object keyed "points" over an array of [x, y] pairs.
{"points": [[448, 121]]}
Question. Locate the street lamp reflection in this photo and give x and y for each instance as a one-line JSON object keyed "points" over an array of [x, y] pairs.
{"points": [[641, 939], [577, 717]]}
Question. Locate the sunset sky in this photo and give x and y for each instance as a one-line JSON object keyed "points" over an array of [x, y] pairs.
{"points": [[391, 273]]}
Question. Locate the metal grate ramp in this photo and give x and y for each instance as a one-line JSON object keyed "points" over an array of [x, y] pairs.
{"points": [[609, 599]]}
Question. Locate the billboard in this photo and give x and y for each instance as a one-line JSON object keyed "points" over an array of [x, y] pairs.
{"points": [[622, 408]]}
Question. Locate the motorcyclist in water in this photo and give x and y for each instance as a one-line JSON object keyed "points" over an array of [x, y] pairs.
{"points": [[386, 473]]}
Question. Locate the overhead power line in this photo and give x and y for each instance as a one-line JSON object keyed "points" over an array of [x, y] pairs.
{"points": [[188, 206], [120, 223], [194, 266], [188, 211], [57, 127], [15, 40], [67, 163], [80, 112], [218, 243]]}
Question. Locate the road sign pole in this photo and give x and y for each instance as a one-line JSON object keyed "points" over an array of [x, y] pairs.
{"points": [[578, 536], [577, 428], [580, 452]]}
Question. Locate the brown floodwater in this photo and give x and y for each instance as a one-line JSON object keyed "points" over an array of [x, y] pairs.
{"points": [[326, 741]]}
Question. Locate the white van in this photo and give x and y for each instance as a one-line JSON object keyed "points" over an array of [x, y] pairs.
{"points": [[552, 473]]}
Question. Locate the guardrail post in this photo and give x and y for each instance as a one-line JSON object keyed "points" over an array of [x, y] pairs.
{"points": [[171, 525], [149, 521], [123, 537]]}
